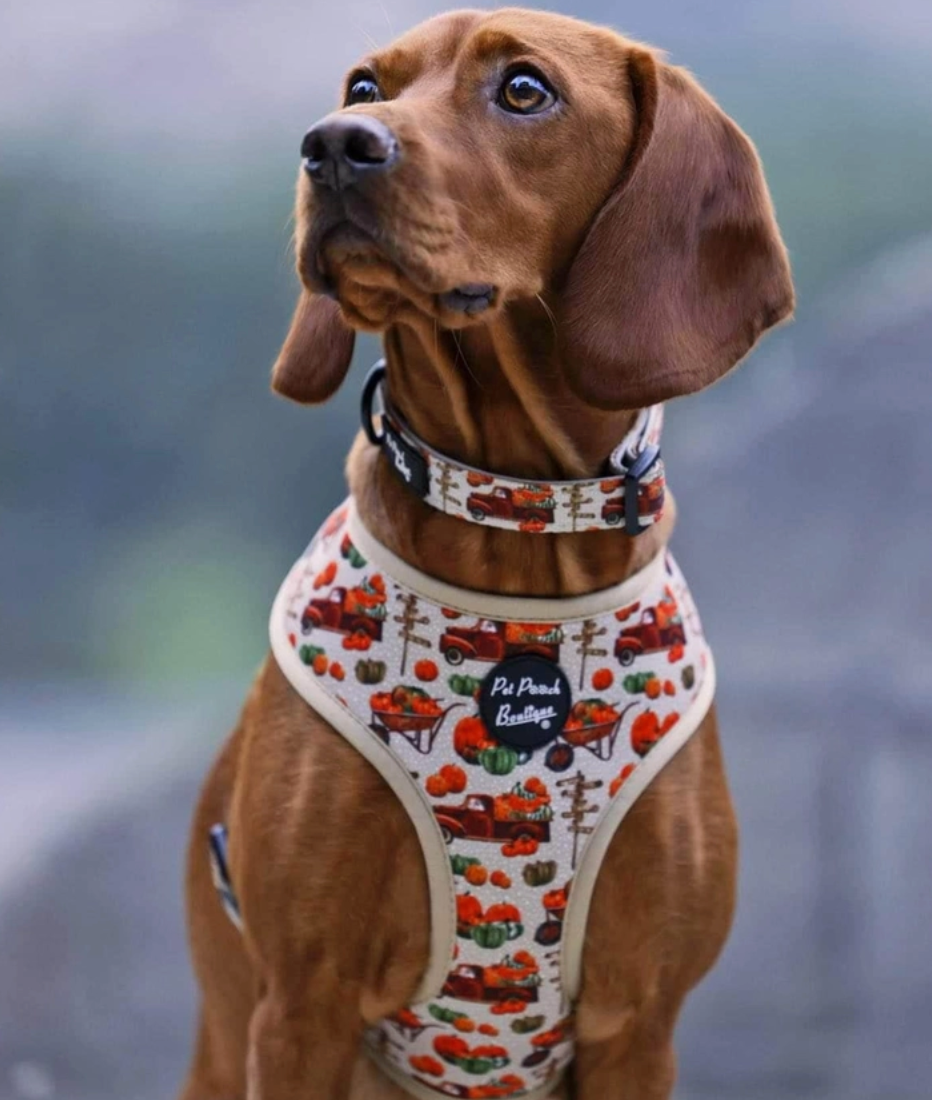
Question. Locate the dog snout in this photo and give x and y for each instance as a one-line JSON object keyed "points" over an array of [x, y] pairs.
{"points": [[342, 150]]}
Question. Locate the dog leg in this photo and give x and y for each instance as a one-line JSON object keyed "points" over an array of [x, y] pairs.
{"points": [[206, 1078], [638, 1063], [660, 915]]}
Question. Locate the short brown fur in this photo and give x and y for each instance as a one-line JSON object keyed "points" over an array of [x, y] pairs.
{"points": [[635, 256]]}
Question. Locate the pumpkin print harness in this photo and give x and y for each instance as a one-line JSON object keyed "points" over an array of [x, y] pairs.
{"points": [[516, 733]]}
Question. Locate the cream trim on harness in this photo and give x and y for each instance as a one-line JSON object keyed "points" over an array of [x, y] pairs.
{"points": [[492, 605], [439, 878]]}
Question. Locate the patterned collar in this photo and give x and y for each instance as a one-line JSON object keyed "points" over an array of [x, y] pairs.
{"points": [[630, 496]]}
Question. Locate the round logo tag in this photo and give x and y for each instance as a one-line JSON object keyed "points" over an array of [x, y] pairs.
{"points": [[525, 701]]}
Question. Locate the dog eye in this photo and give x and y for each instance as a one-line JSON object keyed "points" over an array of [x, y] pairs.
{"points": [[363, 90], [524, 93]]}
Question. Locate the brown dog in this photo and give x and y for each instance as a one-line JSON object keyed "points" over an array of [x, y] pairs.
{"points": [[552, 229]]}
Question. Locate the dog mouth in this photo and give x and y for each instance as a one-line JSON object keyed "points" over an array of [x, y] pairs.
{"points": [[335, 244], [470, 298]]}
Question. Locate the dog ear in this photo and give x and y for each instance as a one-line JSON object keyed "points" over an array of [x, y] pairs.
{"points": [[317, 351], [683, 268]]}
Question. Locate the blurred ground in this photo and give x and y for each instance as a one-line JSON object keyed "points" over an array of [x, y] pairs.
{"points": [[805, 539]]}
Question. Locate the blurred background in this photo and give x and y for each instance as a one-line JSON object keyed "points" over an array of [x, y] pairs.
{"points": [[153, 494]]}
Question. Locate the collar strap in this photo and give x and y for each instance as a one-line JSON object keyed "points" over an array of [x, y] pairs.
{"points": [[629, 495]]}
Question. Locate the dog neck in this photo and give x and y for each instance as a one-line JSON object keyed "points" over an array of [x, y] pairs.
{"points": [[496, 400]]}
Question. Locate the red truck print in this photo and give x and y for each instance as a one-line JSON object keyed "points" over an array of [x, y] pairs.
{"points": [[660, 628], [525, 505], [489, 640], [357, 610], [482, 817], [649, 503], [514, 979]]}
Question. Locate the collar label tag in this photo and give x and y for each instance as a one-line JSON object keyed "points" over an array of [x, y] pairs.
{"points": [[406, 462], [525, 701]]}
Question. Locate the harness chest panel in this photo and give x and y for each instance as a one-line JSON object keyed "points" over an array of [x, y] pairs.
{"points": [[605, 687]]}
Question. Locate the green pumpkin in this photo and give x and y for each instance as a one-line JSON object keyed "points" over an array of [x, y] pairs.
{"points": [[476, 1065], [459, 864], [501, 760], [525, 1024], [635, 682], [461, 684], [352, 555], [540, 873], [370, 672], [492, 936], [444, 1015]]}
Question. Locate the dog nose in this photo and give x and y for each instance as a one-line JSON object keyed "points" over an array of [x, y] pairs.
{"points": [[343, 149]]}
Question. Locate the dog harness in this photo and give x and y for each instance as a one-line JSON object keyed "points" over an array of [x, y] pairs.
{"points": [[517, 733]]}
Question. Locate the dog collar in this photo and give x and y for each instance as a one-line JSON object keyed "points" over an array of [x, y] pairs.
{"points": [[630, 495]]}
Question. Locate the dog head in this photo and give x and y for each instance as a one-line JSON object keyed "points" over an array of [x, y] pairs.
{"points": [[484, 159]]}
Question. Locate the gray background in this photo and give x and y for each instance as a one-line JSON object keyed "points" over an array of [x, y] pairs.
{"points": [[152, 494]]}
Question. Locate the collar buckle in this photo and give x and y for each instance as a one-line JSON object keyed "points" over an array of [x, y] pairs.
{"points": [[372, 386], [641, 464]]}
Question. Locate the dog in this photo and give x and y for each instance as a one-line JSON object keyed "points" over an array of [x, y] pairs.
{"points": [[553, 230]]}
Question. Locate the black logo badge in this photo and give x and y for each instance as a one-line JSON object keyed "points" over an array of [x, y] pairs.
{"points": [[525, 701], [406, 462]]}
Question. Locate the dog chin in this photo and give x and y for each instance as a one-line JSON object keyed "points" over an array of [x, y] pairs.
{"points": [[376, 285]]}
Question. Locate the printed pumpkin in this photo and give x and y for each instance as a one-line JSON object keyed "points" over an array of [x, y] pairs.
{"points": [[454, 777], [426, 671], [437, 786], [602, 679], [424, 1063], [470, 738]]}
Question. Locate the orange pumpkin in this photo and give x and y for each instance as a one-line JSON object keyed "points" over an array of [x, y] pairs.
{"points": [[468, 909], [470, 737], [451, 1046], [652, 688], [602, 679], [437, 786], [455, 778], [463, 1023], [616, 783], [476, 875], [500, 879], [424, 1063], [326, 575], [555, 899], [503, 912], [320, 664], [426, 670], [645, 732]]}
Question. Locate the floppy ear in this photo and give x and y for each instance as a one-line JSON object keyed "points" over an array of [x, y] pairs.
{"points": [[317, 351], [683, 267]]}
